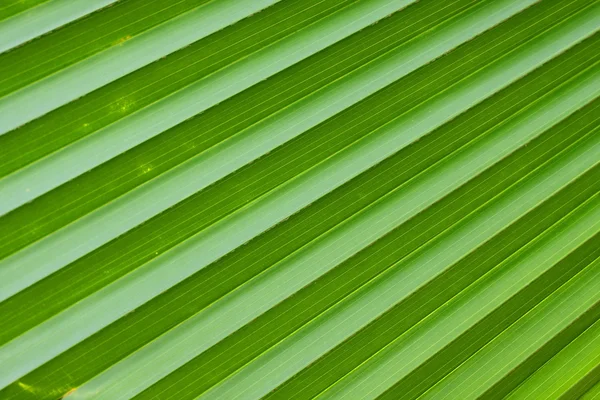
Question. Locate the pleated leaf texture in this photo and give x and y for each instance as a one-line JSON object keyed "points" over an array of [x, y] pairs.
{"points": [[299, 199]]}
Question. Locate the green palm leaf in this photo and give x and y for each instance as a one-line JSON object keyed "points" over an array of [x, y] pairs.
{"points": [[294, 199]]}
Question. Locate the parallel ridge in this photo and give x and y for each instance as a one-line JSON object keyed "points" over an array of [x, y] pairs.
{"points": [[294, 199]]}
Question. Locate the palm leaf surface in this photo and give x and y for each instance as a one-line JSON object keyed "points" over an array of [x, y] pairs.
{"points": [[299, 199]]}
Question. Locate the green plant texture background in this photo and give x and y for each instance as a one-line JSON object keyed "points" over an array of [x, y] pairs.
{"points": [[298, 199]]}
